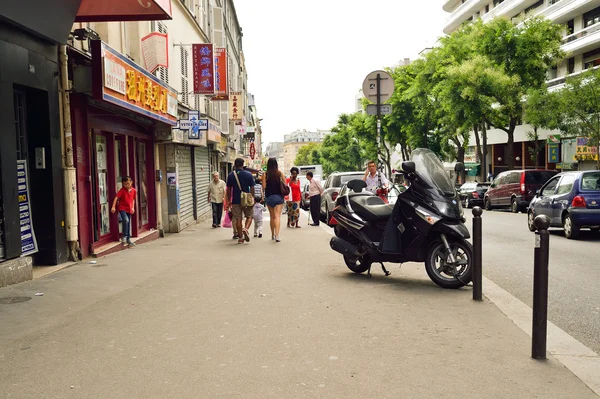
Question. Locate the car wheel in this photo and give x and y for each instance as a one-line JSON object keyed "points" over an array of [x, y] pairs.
{"points": [[514, 206], [530, 220], [487, 205], [571, 230]]}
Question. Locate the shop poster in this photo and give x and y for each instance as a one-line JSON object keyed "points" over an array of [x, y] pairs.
{"points": [[28, 241]]}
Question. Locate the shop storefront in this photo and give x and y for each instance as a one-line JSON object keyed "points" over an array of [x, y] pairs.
{"points": [[186, 163], [114, 137], [31, 190]]}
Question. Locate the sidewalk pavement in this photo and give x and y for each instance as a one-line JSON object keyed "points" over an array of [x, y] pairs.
{"points": [[197, 315]]}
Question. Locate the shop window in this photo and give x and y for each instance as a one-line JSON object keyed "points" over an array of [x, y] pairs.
{"points": [[534, 6]]}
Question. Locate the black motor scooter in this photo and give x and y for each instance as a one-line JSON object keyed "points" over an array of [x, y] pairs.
{"points": [[426, 224]]}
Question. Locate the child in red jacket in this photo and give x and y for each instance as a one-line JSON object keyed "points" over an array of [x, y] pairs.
{"points": [[126, 199]]}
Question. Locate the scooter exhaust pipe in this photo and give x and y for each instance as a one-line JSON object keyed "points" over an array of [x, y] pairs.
{"points": [[343, 247]]}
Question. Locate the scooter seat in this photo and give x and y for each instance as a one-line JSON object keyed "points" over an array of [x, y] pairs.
{"points": [[370, 207]]}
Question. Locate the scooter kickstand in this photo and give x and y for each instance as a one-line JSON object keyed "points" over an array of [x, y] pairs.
{"points": [[384, 269], [369, 272]]}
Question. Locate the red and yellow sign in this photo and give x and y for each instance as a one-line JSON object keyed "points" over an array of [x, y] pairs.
{"points": [[120, 81], [235, 106]]}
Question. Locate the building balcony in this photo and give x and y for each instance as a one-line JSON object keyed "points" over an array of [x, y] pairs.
{"points": [[585, 40], [462, 14], [564, 10], [450, 4], [559, 83], [508, 9]]}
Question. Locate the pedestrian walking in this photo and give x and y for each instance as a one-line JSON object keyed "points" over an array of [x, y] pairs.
{"points": [[216, 197], [272, 183], [293, 201], [314, 192], [257, 215], [125, 200], [240, 181]]}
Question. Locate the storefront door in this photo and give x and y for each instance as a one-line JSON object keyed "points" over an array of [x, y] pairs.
{"points": [[103, 188], [143, 182]]}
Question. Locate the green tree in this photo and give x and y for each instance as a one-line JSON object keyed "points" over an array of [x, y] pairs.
{"points": [[578, 112], [341, 150], [309, 154], [540, 112], [524, 53]]}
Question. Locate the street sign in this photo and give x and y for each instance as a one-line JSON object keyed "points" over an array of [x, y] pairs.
{"points": [[385, 109], [386, 86]]}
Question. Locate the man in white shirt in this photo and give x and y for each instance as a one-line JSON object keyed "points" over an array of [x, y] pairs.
{"points": [[216, 195], [371, 177], [314, 192]]}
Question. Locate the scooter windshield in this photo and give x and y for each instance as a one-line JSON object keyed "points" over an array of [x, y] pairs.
{"points": [[430, 169]]}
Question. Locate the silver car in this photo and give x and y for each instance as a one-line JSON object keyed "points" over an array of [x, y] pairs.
{"points": [[332, 187]]}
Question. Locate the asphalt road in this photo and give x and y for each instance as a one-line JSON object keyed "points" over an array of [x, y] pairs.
{"points": [[574, 272]]}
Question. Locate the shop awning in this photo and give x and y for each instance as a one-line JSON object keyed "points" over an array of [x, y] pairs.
{"points": [[472, 168], [123, 10]]}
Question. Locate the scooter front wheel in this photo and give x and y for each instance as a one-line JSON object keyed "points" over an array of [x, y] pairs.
{"points": [[358, 265], [440, 268]]}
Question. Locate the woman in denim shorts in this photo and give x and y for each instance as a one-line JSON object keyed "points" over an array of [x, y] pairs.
{"points": [[271, 183]]}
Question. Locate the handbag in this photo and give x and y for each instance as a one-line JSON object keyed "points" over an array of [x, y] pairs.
{"points": [[285, 189], [246, 199]]}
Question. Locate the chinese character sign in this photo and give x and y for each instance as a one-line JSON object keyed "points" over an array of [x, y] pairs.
{"points": [[204, 71], [585, 150], [28, 241], [235, 106], [553, 153], [220, 72]]}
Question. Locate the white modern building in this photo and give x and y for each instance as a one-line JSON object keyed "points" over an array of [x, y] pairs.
{"points": [[581, 42]]}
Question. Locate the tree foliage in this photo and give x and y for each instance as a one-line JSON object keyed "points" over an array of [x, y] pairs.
{"points": [[309, 154]]}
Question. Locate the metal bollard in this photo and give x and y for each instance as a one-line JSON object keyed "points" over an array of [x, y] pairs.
{"points": [[540, 287], [477, 254]]}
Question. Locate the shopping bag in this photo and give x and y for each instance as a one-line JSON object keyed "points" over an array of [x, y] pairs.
{"points": [[227, 220]]}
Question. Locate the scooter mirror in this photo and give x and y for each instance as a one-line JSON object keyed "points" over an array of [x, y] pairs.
{"points": [[408, 167], [459, 167]]}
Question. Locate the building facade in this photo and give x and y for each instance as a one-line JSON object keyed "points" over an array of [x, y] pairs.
{"points": [[581, 41], [294, 141], [32, 200]]}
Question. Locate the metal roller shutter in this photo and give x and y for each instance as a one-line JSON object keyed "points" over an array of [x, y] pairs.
{"points": [[202, 181], [183, 157]]}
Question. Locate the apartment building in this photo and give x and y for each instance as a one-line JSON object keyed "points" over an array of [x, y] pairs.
{"points": [[294, 141], [581, 42]]}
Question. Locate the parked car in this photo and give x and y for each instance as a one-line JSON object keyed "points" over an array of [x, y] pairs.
{"points": [[331, 189], [515, 189], [571, 200], [471, 193]]}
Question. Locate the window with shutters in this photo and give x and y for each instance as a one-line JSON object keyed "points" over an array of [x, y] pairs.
{"points": [[185, 89], [161, 72]]}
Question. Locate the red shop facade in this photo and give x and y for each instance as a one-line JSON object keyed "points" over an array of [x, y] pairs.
{"points": [[113, 137]]}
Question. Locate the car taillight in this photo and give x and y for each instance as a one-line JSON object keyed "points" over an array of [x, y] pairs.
{"points": [[578, 202], [334, 196], [475, 194], [523, 191]]}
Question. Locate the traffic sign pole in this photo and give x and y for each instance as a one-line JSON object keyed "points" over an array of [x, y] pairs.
{"points": [[379, 128]]}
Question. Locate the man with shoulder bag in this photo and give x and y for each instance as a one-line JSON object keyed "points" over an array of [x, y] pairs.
{"points": [[240, 182]]}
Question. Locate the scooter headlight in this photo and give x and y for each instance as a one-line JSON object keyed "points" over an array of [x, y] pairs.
{"points": [[461, 209]]}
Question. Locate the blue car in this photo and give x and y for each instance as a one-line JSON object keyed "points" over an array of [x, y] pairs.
{"points": [[571, 200]]}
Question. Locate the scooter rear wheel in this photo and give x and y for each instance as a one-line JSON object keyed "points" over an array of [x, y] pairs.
{"points": [[441, 271], [358, 265]]}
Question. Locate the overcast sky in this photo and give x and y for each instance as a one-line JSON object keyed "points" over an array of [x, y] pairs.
{"points": [[306, 60]]}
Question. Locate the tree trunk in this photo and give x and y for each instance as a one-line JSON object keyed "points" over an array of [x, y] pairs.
{"points": [[460, 157], [478, 144], [483, 159], [511, 143], [536, 147], [387, 160]]}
